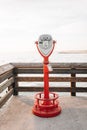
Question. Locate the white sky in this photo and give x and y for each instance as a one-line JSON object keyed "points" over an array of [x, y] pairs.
{"points": [[22, 21]]}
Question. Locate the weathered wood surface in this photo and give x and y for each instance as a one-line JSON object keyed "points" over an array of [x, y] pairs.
{"points": [[55, 71], [6, 80], [8, 83], [6, 75], [5, 68], [6, 97], [52, 79], [54, 65], [55, 89]]}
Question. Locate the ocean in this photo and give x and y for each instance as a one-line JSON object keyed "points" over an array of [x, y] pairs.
{"points": [[34, 56]]}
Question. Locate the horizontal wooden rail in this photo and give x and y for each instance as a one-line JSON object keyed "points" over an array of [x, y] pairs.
{"points": [[55, 71], [55, 89], [54, 65], [52, 79], [6, 76], [8, 83]]}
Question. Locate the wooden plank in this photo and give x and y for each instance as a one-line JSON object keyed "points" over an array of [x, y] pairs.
{"points": [[6, 75], [29, 70], [81, 89], [5, 68], [55, 89], [55, 71], [54, 65], [52, 79], [6, 84], [6, 97], [40, 71], [36, 89], [27, 65]]}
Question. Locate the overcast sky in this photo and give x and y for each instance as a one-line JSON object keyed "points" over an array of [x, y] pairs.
{"points": [[22, 21]]}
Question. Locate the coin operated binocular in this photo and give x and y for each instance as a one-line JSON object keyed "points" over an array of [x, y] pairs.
{"points": [[46, 103]]}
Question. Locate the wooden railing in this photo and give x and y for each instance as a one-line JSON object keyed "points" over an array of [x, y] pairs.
{"points": [[11, 75], [61, 68], [6, 83]]}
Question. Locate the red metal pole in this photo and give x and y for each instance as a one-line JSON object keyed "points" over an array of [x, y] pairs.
{"points": [[46, 82]]}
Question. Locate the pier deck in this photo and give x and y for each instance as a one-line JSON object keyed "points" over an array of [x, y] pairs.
{"points": [[16, 114]]}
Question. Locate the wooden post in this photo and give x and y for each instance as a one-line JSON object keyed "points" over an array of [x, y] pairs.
{"points": [[15, 84], [73, 84]]}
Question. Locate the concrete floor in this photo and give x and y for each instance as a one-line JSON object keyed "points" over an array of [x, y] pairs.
{"points": [[16, 114]]}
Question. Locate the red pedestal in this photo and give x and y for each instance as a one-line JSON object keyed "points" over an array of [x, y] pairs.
{"points": [[46, 103], [44, 107]]}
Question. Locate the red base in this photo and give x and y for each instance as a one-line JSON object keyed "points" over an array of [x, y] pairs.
{"points": [[46, 107], [50, 113]]}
